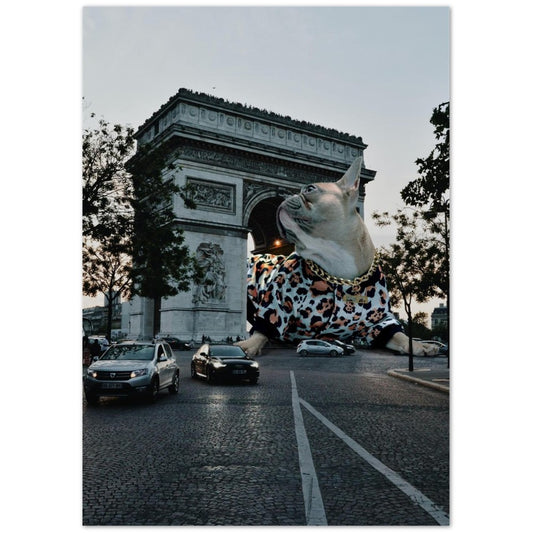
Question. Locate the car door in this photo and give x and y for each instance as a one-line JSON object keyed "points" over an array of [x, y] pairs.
{"points": [[162, 365], [171, 363], [322, 347], [200, 361], [311, 346]]}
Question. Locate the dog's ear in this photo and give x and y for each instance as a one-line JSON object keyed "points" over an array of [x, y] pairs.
{"points": [[349, 183]]}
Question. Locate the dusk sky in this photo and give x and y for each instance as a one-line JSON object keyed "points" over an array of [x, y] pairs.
{"points": [[374, 72]]}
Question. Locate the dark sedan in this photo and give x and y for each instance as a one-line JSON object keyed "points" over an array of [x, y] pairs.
{"points": [[176, 344], [223, 361], [347, 348]]}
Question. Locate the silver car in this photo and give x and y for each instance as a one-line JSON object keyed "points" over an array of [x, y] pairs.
{"points": [[318, 347], [132, 369]]}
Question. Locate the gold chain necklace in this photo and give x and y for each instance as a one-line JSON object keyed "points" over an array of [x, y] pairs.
{"points": [[355, 282]]}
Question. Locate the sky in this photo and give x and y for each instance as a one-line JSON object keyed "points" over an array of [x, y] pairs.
{"points": [[373, 72]]}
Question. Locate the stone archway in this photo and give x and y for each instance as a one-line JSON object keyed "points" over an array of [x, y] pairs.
{"points": [[260, 217], [239, 164]]}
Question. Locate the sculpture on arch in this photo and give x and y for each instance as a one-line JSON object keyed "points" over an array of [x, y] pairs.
{"points": [[212, 288]]}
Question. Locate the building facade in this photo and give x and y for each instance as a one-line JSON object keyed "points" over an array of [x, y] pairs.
{"points": [[439, 317], [240, 163]]}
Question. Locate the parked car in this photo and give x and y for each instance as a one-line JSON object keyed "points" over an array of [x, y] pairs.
{"points": [[132, 369], [348, 349], [223, 361], [175, 343], [102, 342], [318, 347]]}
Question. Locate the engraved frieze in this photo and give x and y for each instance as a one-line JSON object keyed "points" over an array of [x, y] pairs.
{"points": [[256, 166], [211, 195]]}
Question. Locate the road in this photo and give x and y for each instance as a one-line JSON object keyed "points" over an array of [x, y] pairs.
{"points": [[318, 441]]}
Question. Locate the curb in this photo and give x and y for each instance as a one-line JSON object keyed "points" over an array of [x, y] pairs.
{"points": [[423, 382]]}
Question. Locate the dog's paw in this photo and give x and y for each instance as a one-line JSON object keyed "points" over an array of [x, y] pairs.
{"points": [[399, 342], [430, 350], [254, 344]]}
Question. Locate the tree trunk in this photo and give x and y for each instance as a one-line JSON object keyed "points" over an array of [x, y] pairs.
{"points": [[448, 288], [410, 334], [109, 298], [157, 316]]}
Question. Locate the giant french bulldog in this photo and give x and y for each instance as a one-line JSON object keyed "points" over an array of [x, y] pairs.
{"points": [[332, 286]]}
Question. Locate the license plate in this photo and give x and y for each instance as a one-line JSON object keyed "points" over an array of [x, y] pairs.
{"points": [[239, 371], [111, 385]]}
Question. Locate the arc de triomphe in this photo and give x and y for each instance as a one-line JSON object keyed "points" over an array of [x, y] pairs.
{"points": [[240, 163]]}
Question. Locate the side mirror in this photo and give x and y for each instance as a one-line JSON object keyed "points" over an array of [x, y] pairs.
{"points": [[203, 353], [95, 358]]}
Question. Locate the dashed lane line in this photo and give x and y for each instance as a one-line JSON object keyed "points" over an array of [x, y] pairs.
{"points": [[314, 507], [414, 494]]}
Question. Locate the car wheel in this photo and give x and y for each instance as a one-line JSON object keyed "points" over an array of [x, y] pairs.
{"points": [[175, 385], [92, 399], [153, 390], [193, 372], [303, 353], [333, 353]]}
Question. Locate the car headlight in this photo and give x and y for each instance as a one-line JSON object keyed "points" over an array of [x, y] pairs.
{"points": [[137, 373], [92, 373], [255, 364], [218, 364]]}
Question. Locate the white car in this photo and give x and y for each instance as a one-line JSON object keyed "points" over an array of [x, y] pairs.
{"points": [[132, 369], [318, 347]]}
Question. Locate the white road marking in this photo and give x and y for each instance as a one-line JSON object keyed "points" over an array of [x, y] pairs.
{"points": [[314, 507], [431, 508]]}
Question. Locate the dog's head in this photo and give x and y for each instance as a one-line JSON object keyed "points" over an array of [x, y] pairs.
{"points": [[323, 223]]}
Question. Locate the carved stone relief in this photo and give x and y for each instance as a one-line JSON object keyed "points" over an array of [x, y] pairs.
{"points": [[257, 166], [212, 288], [212, 196]]}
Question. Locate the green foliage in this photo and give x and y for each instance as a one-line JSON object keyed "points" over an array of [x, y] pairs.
{"points": [[107, 214], [107, 190], [132, 242], [417, 265], [431, 190], [163, 265], [421, 252], [419, 326]]}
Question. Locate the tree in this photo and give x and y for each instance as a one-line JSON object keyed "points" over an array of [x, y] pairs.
{"points": [[107, 218], [406, 264], [419, 327], [132, 242], [430, 192], [162, 263], [107, 186], [418, 264], [107, 269]]}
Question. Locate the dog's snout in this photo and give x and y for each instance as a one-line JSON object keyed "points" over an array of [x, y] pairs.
{"points": [[293, 203]]}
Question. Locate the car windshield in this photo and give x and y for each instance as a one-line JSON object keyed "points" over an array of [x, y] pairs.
{"points": [[134, 352], [227, 352]]}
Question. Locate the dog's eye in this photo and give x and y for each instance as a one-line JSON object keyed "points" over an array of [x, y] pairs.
{"points": [[310, 189]]}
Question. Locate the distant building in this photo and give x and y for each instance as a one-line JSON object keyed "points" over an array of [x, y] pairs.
{"points": [[439, 317], [95, 318]]}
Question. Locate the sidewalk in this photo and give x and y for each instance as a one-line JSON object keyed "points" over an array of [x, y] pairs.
{"points": [[436, 379]]}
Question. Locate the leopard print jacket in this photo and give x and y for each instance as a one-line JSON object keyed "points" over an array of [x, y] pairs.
{"points": [[287, 300]]}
